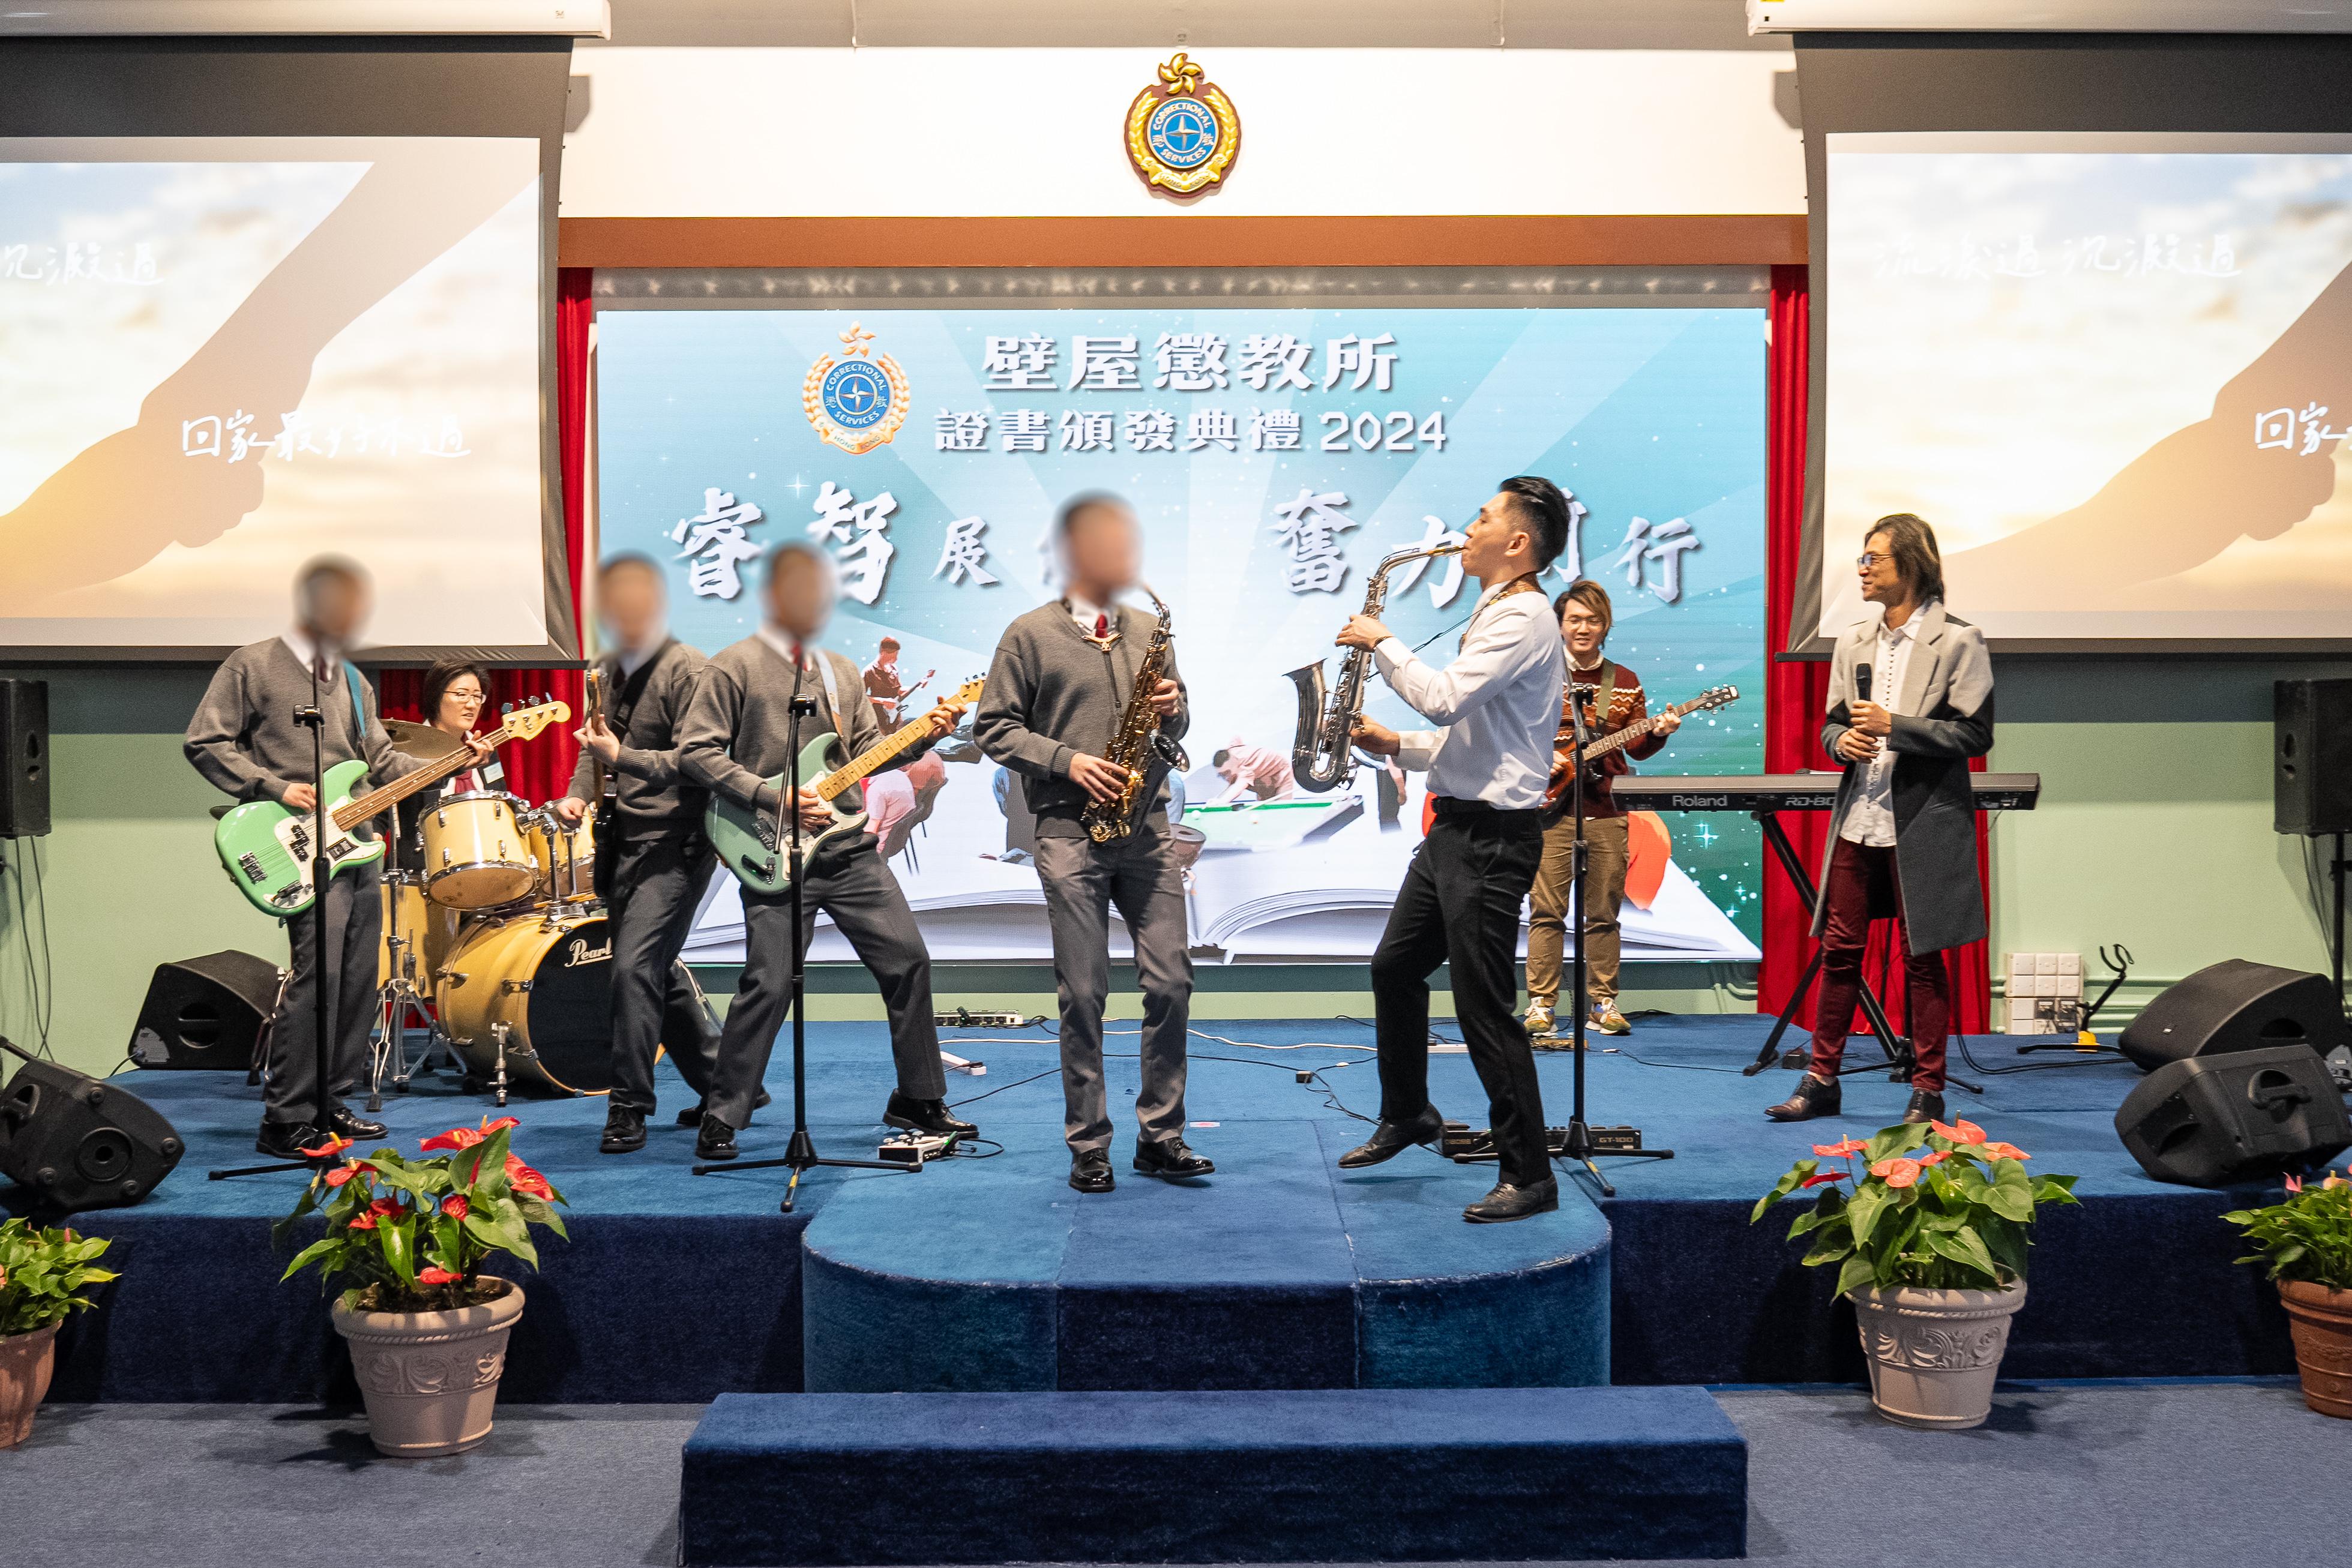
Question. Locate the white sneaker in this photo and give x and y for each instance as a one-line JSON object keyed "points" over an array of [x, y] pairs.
{"points": [[1540, 1019], [1609, 1021]]}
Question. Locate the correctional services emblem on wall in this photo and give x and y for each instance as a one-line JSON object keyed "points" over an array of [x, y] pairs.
{"points": [[856, 401], [1182, 132]]}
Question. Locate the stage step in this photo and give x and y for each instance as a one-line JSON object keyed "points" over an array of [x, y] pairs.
{"points": [[1342, 1475]]}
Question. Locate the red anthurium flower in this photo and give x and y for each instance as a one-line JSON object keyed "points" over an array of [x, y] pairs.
{"points": [[1839, 1149], [455, 1206], [524, 1179], [430, 1275], [343, 1173], [1898, 1172], [383, 1205], [363, 1221], [1937, 1158], [1960, 1132], [328, 1150], [2294, 1186], [466, 1137], [2001, 1151], [1822, 1178]]}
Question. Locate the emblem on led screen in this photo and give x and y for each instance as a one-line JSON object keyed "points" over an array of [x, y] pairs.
{"points": [[858, 400], [1182, 132]]}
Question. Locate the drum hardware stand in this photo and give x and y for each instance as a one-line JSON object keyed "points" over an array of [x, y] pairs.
{"points": [[321, 982], [800, 1154], [498, 1074]]}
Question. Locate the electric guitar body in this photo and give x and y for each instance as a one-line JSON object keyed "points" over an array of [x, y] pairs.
{"points": [[267, 847]]}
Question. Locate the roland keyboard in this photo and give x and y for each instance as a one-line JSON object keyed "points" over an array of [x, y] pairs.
{"points": [[1793, 791]]}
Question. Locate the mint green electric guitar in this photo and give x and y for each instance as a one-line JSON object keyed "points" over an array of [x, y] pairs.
{"points": [[266, 848], [752, 842]]}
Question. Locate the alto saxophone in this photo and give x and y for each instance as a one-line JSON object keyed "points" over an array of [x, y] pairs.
{"points": [[1324, 756], [1138, 741]]}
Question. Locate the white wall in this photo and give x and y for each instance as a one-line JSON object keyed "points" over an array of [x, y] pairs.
{"points": [[758, 132]]}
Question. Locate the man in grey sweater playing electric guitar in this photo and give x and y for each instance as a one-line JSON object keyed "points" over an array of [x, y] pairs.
{"points": [[735, 739]]}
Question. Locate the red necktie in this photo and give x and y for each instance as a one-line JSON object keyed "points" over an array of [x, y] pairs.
{"points": [[797, 654], [1102, 627]]}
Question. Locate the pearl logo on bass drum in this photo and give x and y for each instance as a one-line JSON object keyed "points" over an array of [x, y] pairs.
{"points": [[579, 953]]}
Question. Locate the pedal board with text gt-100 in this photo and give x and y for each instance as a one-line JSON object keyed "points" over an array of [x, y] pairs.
{"points": [[917, 1148]]}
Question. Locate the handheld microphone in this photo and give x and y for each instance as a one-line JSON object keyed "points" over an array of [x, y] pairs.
{"points": [[1862, 682]]}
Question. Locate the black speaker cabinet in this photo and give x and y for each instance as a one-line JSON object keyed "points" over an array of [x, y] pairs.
{"points": [[76, 1142], [2311, 756], [2210, 1121], [205, 1012], [2236, 1006], [24, 763]]}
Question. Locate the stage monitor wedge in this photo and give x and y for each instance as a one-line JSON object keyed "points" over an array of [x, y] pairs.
{"points": [[2236, 1006], [75, 1142], [2210, 1121]]}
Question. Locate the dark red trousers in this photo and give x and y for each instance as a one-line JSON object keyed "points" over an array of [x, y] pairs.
{"points": [[1862, 885]]}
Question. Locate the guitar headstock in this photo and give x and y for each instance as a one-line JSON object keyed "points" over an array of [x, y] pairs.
{"points": [[965, 695], [525, 723], [1716, 697]]}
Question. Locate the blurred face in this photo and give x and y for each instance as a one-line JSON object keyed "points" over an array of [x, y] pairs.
{"points": [[630, 601], [461, 705], [1496, 543], [1104, 551], [1581, 629], [800, 595], [886, 657], [1881, 582], [338, 609]]}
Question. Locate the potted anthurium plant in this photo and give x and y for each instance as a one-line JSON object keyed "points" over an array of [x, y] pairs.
{"points": [[1928, 1232], [2306, 1242], [407, 1240], [43, 1274]]}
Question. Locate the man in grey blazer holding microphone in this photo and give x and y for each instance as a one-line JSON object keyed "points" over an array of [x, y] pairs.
{"points": [[1910, 701]]}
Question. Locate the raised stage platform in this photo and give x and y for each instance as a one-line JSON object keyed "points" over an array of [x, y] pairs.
{"points": [[1278, 1271]]}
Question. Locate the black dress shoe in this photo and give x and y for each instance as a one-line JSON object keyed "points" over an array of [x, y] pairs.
{"points": [[925, 1116], [715, 1142], [1090, 1171], [288, 1140], [625, 1131], [1391, 1139], [1813, 1098], [1168, 1158], [1927, 1105], [345, 1125], [1508, 1202], [692, 1115]]}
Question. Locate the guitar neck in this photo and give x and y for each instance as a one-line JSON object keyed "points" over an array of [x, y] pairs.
{"points": [[1636, 730], [872, 758], [376, 802]]}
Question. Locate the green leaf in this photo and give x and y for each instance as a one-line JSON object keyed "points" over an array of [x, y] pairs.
{"points": [[398, 1244], [1856, 1273], [1965, 1248], [325, 1247], [2012, 1195], [1865, 1208], [1783, 1188]]}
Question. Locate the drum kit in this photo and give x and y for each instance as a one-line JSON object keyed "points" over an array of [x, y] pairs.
{"points": [[496, 944]]}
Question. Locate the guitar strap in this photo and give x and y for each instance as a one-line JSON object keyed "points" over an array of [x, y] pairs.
{"points": [[605, 833], [359, 712]]}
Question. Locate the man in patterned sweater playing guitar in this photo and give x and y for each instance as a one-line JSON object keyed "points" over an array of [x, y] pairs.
{"points": [[244, 739], [1612, 698], [737, 736]]}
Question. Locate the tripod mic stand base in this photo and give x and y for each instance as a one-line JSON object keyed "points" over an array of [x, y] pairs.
{"points": [[801, 1157]]}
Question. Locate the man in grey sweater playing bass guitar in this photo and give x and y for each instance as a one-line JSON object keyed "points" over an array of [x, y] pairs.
{"points": [[736, 738]]}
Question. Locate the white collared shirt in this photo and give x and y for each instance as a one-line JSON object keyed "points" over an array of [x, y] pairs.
{"points": [[1498, 704], [631, 660], [1870, 820], [1084, 615], [306, 650], [785, 646]]}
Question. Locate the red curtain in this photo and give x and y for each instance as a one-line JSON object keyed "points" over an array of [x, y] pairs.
{"points": [[539, 769], [1797, 691]]}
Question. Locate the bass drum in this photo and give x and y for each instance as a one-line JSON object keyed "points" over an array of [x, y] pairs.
{"points": [[549, 982]]}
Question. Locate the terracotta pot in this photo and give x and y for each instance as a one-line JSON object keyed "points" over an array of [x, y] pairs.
{"points": [[25, 1362], [1935, 1355], [430, 1379], [2321, 1320]]}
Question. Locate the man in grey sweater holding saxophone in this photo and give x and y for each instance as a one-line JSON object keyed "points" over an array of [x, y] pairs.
{"points": [[1062, 678]]}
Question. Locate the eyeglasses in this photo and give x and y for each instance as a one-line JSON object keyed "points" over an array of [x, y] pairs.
{"points": [[1867, 560]]}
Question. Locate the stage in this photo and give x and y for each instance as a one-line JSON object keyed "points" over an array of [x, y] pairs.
{"points": [[1279, 1271]]}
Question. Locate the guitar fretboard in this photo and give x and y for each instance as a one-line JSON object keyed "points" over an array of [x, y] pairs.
{"points": [[874, 756], [376, 802], [1635, 731]]}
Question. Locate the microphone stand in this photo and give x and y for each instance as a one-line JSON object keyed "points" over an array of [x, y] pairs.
{"points": [[800, 1154], [312, 718], [1580, 1146]]}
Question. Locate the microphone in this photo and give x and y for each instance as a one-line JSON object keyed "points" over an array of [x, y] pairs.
{"points": [[1862, 682]]}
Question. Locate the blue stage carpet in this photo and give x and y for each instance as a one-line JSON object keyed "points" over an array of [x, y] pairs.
{"points": [[677, 1288]]}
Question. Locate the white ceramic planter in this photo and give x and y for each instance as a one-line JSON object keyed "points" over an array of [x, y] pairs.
{"points": [[430, 1379], [1934, 1356]]}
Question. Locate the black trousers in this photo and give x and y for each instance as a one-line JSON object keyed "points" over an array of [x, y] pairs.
{"points": [[864, 900], [655, 886], [353, 901], [1460, 904]]}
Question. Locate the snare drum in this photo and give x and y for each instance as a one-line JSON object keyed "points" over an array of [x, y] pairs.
{"points": [[549, 979], [566, 857], [477, 853]]}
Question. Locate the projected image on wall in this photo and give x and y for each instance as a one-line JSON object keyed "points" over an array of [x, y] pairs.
{"points": [[2114, 371], [226, 355]]}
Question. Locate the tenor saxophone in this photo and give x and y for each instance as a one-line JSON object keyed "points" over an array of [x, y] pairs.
{"points": [[1324, 756], [1138, 741]]}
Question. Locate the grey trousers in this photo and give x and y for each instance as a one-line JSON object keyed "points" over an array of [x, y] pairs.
{"points": [[1083, 880], [864, 900], [354, 906], [656, 886]]}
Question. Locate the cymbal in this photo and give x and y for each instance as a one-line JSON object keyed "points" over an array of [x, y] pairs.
{"points": [[422, 740]]}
